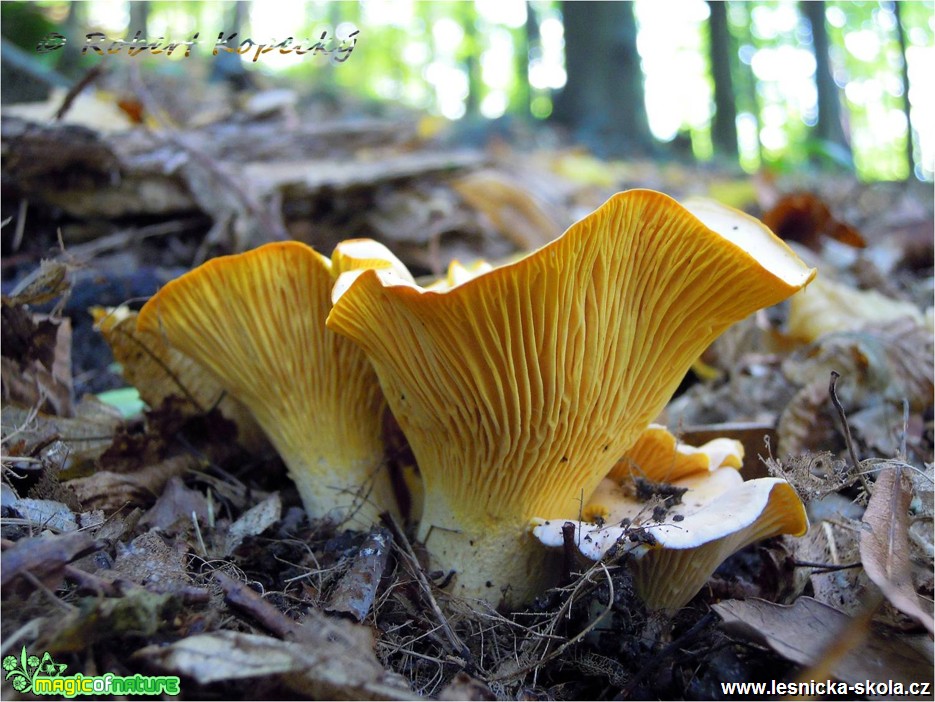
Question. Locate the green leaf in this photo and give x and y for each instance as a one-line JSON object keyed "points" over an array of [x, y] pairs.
{"points": [[126, 400]]}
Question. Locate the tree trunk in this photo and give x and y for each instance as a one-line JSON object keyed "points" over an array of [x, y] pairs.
{"points": [[828, 127], [603, 100], [904, 74], [226, 65], [724, 128], [139, 16], [533, 43]]}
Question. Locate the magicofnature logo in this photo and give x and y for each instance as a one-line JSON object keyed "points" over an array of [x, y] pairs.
{"points": [[26, 669], [43, 676]]}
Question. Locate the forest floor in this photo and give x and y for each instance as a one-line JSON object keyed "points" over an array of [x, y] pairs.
{"points": [[145, 539]]}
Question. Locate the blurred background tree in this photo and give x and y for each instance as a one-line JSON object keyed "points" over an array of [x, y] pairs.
{"points": [[837, 84]]}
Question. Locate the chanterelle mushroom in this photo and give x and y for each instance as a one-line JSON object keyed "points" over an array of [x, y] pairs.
{"points": [[519, 389], [256, 321], [700, 513]]}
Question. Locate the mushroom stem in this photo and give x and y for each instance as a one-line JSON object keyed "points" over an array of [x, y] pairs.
{"points": [[337, 469], [499, 562]]}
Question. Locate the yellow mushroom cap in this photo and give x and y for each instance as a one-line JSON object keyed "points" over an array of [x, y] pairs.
{"points": [[256, 321], [520, 388], [658, 456]]}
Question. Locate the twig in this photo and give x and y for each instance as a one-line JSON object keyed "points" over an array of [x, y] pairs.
{"points": [[568, 551], [459, 649], [905, 431], [201, 541], [239, 596], [121, 239], [74, 91], [585, 580], [847, 430], [30, 629], [20, 224], [825, 567]]}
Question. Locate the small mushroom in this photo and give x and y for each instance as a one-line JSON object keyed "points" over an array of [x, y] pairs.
{"points": [[458, 273], [256, 321], [680, 540], [676, 555], [658, 456], [519, 389]]}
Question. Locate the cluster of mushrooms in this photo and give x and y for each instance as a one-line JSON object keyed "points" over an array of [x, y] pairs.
{"points": [[525, 391]]}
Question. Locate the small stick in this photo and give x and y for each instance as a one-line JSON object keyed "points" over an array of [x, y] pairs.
{"points": [[905, 432], [568, 552], [20, 224], [239, 596], [201, 541], [400, 538], [75, 90], [825, 567], [847, 429]]}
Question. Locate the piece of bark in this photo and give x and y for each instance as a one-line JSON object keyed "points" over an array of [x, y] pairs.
{"points": [[357, 590]]}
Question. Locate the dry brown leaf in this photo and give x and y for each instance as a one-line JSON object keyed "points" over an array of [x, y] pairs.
{"points": [[150, 562], [834, 545], [253, 522], [804, 631], [889, 361], [464, 687], [36, 363], [71, 444], [46, 283], [176, 504], [110, 491], [44, 514], [805, 217], [333, 666], [884, 543]]}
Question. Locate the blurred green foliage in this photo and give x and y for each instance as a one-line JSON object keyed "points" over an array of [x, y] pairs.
{"points": [[487, 58]]}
